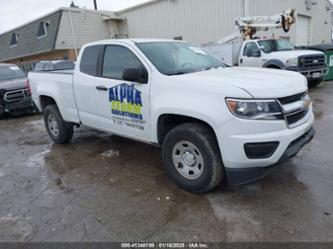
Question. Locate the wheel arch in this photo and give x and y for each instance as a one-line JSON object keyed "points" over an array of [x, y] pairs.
{"points": [[167, 122], [277, 64], [45, 100]]}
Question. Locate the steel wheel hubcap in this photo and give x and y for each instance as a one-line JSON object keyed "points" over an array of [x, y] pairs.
{"points": [[53, 125], [188, 160]]}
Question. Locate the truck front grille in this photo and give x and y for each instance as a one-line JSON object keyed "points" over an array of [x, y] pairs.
{"points": [[312, 62], [17, 95], [294, 116], [291, 99]]}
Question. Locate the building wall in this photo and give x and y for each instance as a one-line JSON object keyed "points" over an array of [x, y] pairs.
{"points": [[198, 21], [28, 42], [202, 21], [87, 27]]}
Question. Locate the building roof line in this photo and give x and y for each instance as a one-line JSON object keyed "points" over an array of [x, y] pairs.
{"points": [[109, 14], [151, 2]]}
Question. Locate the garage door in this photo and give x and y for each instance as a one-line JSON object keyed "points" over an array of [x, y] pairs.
{"points": [[303, 30]]}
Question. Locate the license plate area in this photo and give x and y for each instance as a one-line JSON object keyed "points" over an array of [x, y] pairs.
{"points": [[316, 75]]}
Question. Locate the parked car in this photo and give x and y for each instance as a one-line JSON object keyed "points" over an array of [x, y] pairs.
{"points": [[54, 65], [276, 54], [213, 122], [15, 93]]}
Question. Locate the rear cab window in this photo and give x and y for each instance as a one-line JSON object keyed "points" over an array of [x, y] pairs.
{"points": [[90, 60]]}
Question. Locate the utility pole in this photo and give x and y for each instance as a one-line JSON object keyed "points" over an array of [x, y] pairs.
{"points": [[95, 4]]}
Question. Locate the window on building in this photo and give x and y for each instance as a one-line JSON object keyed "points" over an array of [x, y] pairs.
{"points": [[89, 60], [42, 29], [116, 58], [14, 40]]}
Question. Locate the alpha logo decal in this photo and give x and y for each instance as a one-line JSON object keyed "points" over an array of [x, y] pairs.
{"points": [[126, 101]]}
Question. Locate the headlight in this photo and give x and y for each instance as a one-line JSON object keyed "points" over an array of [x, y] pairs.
{"points": [[255, 109], [292, 62]]}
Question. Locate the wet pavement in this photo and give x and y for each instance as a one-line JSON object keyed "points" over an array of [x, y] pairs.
{"points": [[105, 188]]}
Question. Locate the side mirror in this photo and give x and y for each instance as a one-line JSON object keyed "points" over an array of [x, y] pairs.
{"points": [[135, 74]]}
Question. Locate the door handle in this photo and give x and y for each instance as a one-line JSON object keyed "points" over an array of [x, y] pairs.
{"points": [[101, 88]]}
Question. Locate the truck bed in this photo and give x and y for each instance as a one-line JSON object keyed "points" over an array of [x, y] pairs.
{"points": [[60, 83]]}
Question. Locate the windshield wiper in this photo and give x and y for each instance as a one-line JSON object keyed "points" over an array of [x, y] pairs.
{"points": [[209, 68], [178, 73]]}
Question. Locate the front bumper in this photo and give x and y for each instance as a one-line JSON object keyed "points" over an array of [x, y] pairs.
{"points": [[239, 176], [234, 135], [311, 74], [19, 106]]}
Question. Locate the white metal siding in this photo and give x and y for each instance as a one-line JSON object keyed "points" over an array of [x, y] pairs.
{"points": [[203, 21], [303, 30], [198, 21]]}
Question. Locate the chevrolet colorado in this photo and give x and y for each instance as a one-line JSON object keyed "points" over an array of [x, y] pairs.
{"points": [[213, 122]]}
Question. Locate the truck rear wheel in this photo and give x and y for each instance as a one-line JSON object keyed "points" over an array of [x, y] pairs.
{"points": [[59, 131], [192, 159], [2, 112]]}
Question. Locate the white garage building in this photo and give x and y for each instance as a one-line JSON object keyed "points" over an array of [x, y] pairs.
{"points": [[203, 21]]}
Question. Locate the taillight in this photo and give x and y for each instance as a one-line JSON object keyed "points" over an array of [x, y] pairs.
{"points": [[28, 87]]}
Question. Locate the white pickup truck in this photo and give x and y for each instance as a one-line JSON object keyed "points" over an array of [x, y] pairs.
{"points": [[213, 123], [272, 53]]}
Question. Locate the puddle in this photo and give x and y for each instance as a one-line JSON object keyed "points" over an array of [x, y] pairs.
{"points": [[111, 153], [38, 159]]}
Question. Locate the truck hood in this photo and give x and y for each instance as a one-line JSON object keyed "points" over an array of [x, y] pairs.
{"points": [[258, 82], [13, 84], [285, 55]]}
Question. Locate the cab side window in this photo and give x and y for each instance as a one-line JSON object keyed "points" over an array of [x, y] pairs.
{"points": [[250, 48], [116, 58], [89, 60]]}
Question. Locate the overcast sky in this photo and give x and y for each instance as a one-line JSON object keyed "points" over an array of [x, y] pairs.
{"points": [[16, 12]]}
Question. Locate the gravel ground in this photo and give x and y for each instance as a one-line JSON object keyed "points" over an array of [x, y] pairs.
{"points": [[105, 188]]}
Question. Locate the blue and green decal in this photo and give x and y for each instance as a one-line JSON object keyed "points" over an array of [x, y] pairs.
{"points": [[126, 101]]}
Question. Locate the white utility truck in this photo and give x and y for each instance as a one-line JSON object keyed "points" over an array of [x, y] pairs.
{"points": [[246, 50], [213, 122]]}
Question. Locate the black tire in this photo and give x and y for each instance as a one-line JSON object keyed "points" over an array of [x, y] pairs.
{"points": [[204, 140], [2, 112], [314, 83], [65, 129]]}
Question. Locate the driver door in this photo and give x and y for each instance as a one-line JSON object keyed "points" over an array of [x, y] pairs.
{"points": [[123, 106], [251, 55]]}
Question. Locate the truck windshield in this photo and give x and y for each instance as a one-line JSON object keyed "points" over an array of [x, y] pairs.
{"points": [[270, 46], [174, 58], [10, 72]]}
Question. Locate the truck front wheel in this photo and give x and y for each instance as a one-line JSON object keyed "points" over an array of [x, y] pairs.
{"points": [[59, 131], [191, 157]]}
